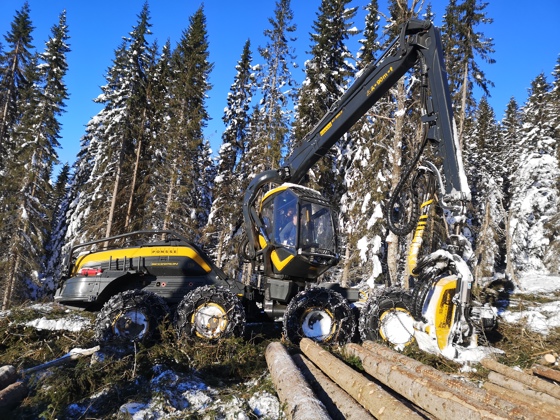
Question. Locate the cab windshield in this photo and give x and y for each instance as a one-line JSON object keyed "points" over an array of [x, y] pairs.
{"points": [[316, 227], [291, 221]]}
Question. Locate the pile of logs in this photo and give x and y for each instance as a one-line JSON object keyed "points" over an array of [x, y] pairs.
{"points": [[318, 385]]}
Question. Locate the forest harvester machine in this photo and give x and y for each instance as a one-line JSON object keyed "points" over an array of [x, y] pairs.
{"points": [[291, 240]]}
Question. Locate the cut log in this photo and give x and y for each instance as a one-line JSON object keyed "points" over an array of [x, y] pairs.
{"points": [[380, 403], [544, 372], [534, 382], [537, 408], [339, 404], [8, 375], [512, 384], [292, 389], [548, 359], [427, 394], [12, 396], [463, 390]]}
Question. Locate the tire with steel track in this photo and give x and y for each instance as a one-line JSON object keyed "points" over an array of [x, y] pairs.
{"points": [[386, 316], [322, 315], [210, 313], [130, 316]]}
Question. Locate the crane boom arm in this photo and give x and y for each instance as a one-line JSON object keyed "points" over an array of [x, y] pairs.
{"points": [[419, 42]]}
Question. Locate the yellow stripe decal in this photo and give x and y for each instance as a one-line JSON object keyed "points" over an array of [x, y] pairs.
{"points": [[130, 253], [274, 191], [278, 263]]}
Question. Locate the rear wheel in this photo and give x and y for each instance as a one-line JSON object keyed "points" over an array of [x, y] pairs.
{"points": [[210, 313], [322, 315], [130, 316], [387, 317]]}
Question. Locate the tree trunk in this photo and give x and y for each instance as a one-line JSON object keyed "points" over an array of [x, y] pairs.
{"points": [[392, 239], [453, 385], [10, 283], [11, 397], [427, 394], [346, 269], [552, 374], [292, 389], [170, 192], [462, 115], [535, 383], [8, 94], [481, 246], [517, 387], [116, 187], [339, 404], [380, 403], [537, 409], [135, 171], [392, 258], [8, 375], [510, 271]]}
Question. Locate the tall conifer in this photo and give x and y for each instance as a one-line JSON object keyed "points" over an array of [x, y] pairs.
{"points": [[188, 195], [27, 175], [13, 65], [225, 217]]}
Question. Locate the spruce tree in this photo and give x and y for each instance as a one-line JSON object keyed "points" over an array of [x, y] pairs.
{"points": [[13, 64], [160, 147], [29, 209], [140, 112], [226, 214], [464, 46], [276, 84], [58, 227], [115, 142], [509, 158], [535, 194], [551, 260], [187, 204], [509, 147], [485, 184]]}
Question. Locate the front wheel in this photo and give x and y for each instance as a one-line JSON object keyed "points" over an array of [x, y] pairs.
{"points": [[130, 316], [387, 317], [323, 315], [210, 313]]}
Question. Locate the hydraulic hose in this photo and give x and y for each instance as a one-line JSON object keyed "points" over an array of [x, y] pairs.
{"points": [[415, 208]]}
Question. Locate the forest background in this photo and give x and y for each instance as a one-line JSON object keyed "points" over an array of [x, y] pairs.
{"points": [[145, 163]]}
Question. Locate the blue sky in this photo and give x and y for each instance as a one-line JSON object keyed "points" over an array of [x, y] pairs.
{"points": [[525, 39]]}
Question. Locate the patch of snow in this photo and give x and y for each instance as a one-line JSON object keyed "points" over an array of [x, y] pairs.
{"points": [[72, 323], [265, 405], [534, 282]]}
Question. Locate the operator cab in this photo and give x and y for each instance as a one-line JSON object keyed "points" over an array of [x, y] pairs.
{"points": [[298, 238]]}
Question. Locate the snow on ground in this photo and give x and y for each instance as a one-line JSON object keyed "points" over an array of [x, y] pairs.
{"points": [[539, 317], [71, 323], [538, 283]]}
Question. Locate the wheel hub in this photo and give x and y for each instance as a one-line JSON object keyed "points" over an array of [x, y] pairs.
{"points": [[397, 327], [209, 320], [132, 324], [318, 324]]}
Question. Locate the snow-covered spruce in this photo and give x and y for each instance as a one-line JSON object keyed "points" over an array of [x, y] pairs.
{"points": [[129, 316], [210, 313], [320, 314]]}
